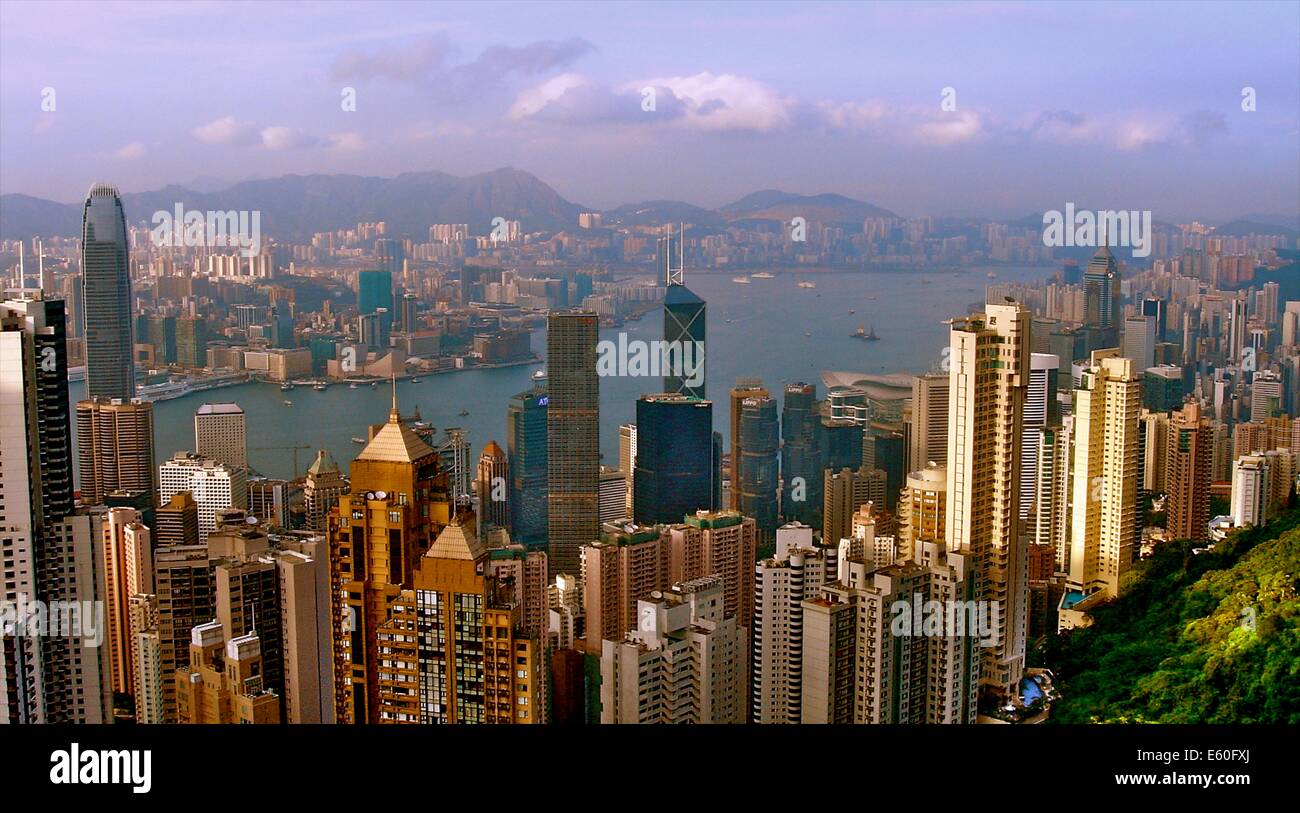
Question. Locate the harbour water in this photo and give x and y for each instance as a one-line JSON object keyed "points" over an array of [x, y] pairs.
{"points": [[756, 330]]}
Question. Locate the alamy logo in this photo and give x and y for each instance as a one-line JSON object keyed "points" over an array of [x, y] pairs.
{"points": [[1084, 228], [944, 619], [212, 229], [635, 357], [53, 619], [72, 766]]}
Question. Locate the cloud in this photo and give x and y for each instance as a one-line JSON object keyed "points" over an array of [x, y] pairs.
{"points": [[949, 128], [227, 131], [727, 102], [285, 138], [131, 151], [1127, 131], [346, 141]]}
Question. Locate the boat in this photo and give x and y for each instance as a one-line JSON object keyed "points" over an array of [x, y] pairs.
{"points": [[807, 334], [359, 440], [808, 285], [464, 412], [851, 311], [287, 402], [415, 380], [320, 386], [763, 275], [742, 280], [352, 386], [865, 335], [374, 384], [286, 386], [991, 275]]}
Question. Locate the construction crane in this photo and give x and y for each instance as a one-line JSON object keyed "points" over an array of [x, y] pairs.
{"points": [[281, 449]]}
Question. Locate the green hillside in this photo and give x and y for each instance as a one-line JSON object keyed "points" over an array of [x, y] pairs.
{"points": [[1177, 648]]}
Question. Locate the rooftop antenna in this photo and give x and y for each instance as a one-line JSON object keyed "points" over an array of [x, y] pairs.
{"points": [[22, 274], [395, 414], [673, 276], [46, 284]]}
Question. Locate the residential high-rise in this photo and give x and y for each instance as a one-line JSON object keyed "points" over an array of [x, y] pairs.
{"points": [[624, 564], [268, 501], [627, 459], [526, 432], [1040, 409], [177, 521], [321, 489], [128, 570], [146, 660], [801, 471], [213, 485], [106, 294], [572, 436], [186, 599], [676, 471], [843, 492], [759, 443], [220, 433], [684, 333], [989, 371], [114, 448], [223, 680], [718, 543], [745, 388], [1250, 491], [685, 646], [929, 437], [492, 485], [1188, 454], [922, 509], [1106, 473], [401, 499]]}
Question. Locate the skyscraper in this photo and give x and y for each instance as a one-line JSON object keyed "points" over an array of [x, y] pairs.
{"points": [[106, 293], [1188, 459], [492, 487], [676, 472], [989, 378], [745, 388], [128, 570], [114, 448], [759, 442], [801, 470], [929, 438], [572, 436], [684, 334], [526, 440], [375, 294], [213, 485], [1250, 491], [321, 489], [1103, 298], [220, 433], [178, 521], [1040, 406]]}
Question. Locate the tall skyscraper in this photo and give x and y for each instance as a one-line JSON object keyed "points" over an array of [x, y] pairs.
{"points": [[1140, 340], [114, 448], [759, 443], [493, 490], [375, 295], [929, 438], [1040, 409], [186, 599], [1103, 298], [1106, 474], [801, 470], [572, 436], [220, 433], [106, 293], [922, 509], [128, 570], [1188, 459], [684, 332], [845, 491], [321, 489], [627, 459], [745, 388], [1250, 491], [676, 472], [526, 434], [989, 378]]}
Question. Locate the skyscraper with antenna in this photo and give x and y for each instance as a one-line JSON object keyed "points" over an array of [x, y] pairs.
{"points": [[684, 321]]}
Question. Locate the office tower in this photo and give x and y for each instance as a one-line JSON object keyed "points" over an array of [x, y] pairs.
{"points": [[223, 681], [186, 599], [675, 472], [626, 563], [922, 509], [989, 378], [843, 492], [114, 448], [685, 646], [492, 487], [929, 438], [759, 442], [800, 465], [1187, 473], [47, 552], [526, 432], [1069, 346], [1265, 395], [1162, 388], [1103, 298], [1291, 324], [684, 335], [613, 495], [1156, 309], [745, 388], [282, 328], [572, 436], [1140, 340], [375, 296], [456, 635], [106, 294], [408, 313], [627, 460], [213, 486], [840, 444], [321, 490], [268, 501], [220, 433], [148, 680], [191, 342], [1040, 409], [177, 521], [1106, 472], [1238, 335], [781, 584], [128, 570], [723, 544], [1268, 300], [400, 500], [1250, 491]]}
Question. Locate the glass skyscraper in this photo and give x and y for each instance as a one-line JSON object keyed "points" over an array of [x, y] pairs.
{"points": [[375, 292], [526, 449], [677, 471], [106, 294], [800, 500], [684, 332], [760, 440], [572, 436]]}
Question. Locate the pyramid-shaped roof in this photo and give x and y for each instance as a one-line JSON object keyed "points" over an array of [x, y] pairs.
{"points": [[456, 542], [395, 442]]}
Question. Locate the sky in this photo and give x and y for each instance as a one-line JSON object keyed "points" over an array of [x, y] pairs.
{"points": [[950, 109]]}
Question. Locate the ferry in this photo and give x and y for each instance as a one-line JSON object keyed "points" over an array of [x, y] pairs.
{"points": [[164, 391], [742, 280], [763, 275], [865, 335], [320, 386], [808, 285], [361, 441]]}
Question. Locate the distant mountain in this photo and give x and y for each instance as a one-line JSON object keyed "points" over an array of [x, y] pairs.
{"points": [[1242, 228], [1289, 221], [773, 204], [293, 207], [659, 212]]}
